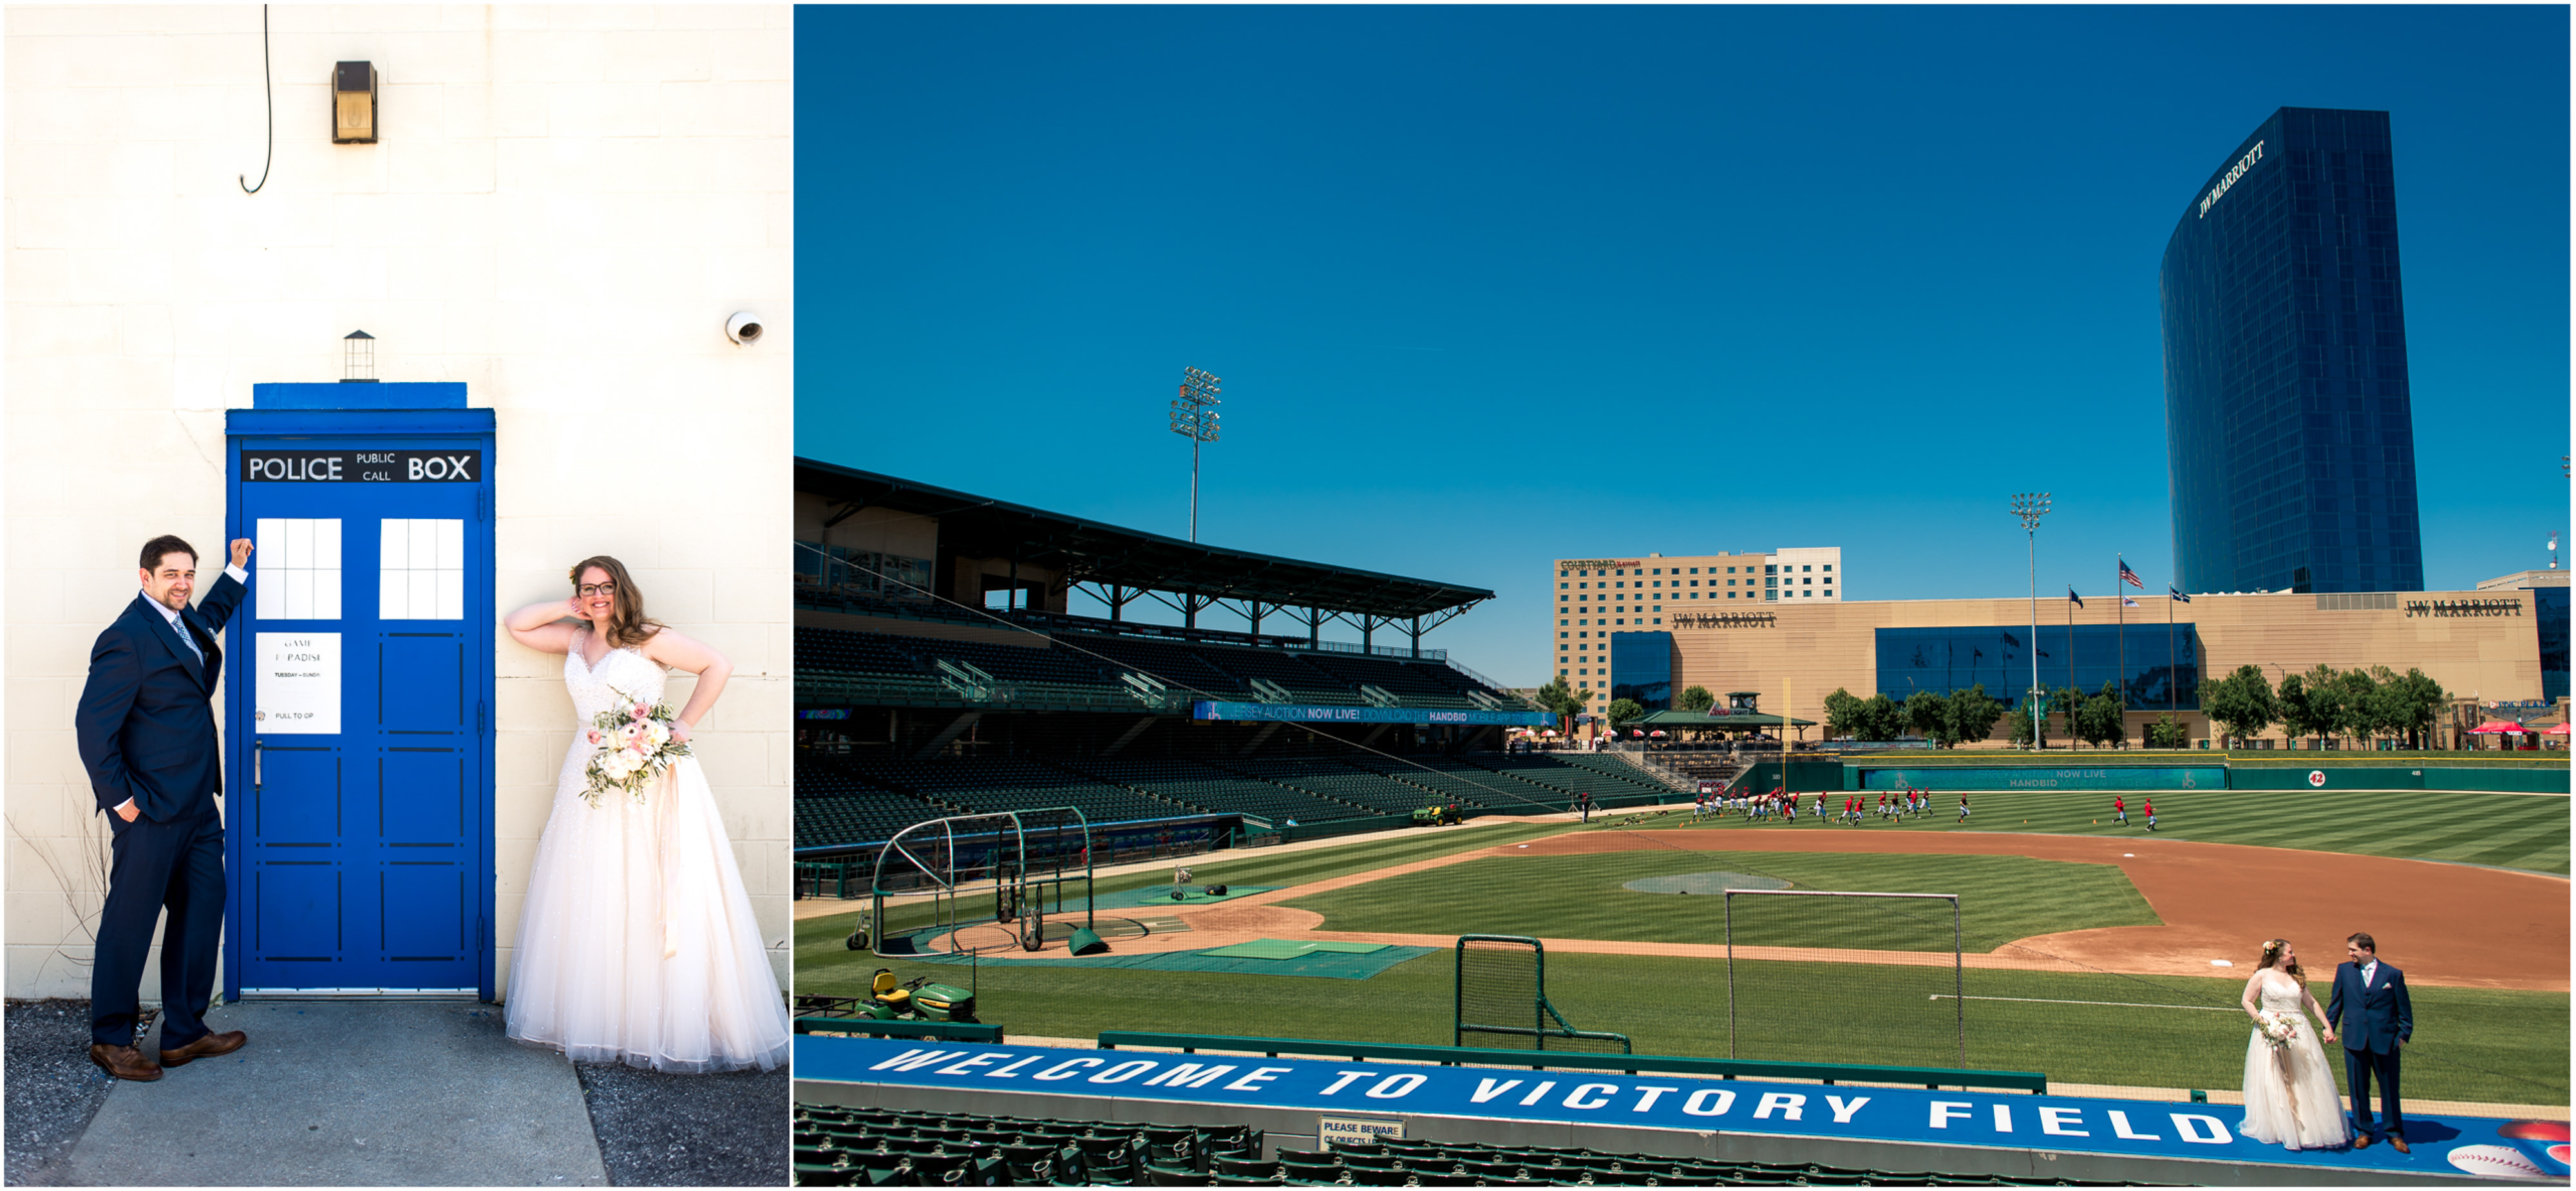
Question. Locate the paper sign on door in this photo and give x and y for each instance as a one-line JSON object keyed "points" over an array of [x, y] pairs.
{"points": [[298, 689]]}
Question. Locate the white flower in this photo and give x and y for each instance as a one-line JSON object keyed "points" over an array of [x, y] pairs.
{"points": [[619, 764], [654, 736]]}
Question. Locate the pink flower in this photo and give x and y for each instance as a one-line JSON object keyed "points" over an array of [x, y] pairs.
{"points": [[642, 711], [595, 737]]}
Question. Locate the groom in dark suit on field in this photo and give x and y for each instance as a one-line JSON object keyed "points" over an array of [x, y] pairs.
{"points": [[146, 730], [2370, 1000]]}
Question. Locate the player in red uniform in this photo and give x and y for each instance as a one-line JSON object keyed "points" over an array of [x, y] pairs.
{"points": [[2120, 807], [2148, 805], [1963, 808]]}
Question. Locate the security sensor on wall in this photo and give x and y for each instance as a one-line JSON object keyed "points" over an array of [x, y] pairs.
{"points": [[743, 328]]}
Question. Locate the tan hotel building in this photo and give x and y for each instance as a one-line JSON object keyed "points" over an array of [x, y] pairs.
{"points": [[1597, 596], [1796, 649]]}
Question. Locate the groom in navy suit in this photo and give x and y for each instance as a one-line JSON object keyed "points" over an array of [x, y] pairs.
{"points": [[146, 730], [2370, 1000]]}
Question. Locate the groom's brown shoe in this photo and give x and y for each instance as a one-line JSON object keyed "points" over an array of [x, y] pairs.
{"points": [[2361, 1142], [123, 1062], [204, 1048], [2400, 1143]]}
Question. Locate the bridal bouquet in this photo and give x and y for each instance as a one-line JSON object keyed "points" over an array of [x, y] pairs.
{"points": [[633, 746], [2278, 1029]]}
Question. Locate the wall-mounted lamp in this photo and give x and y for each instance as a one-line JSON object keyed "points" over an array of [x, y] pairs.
{"points": [[358, 359], [353, 103]]}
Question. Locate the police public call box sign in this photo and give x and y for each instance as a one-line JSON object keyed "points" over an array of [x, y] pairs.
{"points": [[362, 467]]}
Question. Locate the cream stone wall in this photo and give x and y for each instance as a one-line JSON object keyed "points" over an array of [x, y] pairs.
{"points": [[566, 204], [1799, 654]]}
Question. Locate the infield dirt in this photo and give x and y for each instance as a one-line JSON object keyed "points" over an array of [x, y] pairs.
{"points": [[2445, 924]]}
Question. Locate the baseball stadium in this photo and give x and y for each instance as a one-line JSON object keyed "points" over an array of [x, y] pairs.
{"points": [[1085, 899]]}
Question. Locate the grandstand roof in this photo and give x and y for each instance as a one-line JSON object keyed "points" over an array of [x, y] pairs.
{"points": [[1093, 552], [1717, 719]]}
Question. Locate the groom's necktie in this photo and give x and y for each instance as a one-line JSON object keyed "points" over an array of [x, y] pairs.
{"points": [[188, 638]]}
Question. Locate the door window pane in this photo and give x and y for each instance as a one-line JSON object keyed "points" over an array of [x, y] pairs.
{"points": [[421, 572], [296, 561]]}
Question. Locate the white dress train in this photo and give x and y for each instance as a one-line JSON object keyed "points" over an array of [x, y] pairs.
{"points": [[636, 943], [2290, 1096]]}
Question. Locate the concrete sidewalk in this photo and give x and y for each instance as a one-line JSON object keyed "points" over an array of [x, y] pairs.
{"points": [[377, 1093], [348, 1093]]}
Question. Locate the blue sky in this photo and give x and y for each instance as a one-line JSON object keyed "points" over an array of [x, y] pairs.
{"points": [[1494, 286]]}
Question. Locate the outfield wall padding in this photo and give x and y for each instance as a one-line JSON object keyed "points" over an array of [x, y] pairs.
{"points": [[2355, 777]]}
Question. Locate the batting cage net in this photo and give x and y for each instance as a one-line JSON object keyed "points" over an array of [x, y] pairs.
{"points": [[1889, 991], [1502, 1001]]}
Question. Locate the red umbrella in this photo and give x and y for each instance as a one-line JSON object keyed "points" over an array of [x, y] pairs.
{"points": [[2557, 729], [1656, 732], [1639, 733], [2499, 726]]}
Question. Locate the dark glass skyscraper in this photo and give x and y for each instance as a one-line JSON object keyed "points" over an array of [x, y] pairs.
{"points": [[2287, 416]]}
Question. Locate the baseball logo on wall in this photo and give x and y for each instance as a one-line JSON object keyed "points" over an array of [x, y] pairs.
{"points": [[2316, 777]]}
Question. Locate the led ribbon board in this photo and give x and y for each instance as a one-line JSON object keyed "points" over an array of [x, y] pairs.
{"points": [[1287, 713]]}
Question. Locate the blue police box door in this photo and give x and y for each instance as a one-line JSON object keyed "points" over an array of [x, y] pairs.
{"points": [[358, 702]]}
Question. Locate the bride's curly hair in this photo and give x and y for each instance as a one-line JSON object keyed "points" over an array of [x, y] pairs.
{"points": [[627, 625], [2272, 954]]}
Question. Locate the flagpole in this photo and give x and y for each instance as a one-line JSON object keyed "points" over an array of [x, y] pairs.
{"points": [[2173, 676], [2119, 584]]}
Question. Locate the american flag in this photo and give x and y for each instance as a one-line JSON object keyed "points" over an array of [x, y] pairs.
{"points": [[2130, 577]]}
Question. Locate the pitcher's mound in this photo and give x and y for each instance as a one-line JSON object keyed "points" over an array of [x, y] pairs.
{"points": [[1698, 883]]}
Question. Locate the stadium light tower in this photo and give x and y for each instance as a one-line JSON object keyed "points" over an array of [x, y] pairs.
{"points": [[2030, 507], [1194, 418]]}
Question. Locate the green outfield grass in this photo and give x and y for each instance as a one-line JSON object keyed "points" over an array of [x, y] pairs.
{"points": [[1582, 897], [2520, 831], [2471, 1044]]}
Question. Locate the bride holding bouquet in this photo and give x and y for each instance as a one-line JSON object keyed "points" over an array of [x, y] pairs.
{"points": [[2290, 1094], [636, 943]]}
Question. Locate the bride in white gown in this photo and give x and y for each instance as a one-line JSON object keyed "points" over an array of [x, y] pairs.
{"points": [[636, 941], [2290, 1094]]}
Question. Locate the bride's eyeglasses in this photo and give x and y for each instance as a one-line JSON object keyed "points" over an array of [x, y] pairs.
{"points": [[589, 590]]}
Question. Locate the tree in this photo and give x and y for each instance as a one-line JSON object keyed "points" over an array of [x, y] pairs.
{"points": [[2099, 719], [2241, 704], [2068, 703], [1563, 702], [1881, 718], [1973, 714], [1842, 714], [2298, 709], [2419, 702], [1928, 715], [2329, 701], [2166, 734], [1695, 698], [2366, 713], [1624, 710]]}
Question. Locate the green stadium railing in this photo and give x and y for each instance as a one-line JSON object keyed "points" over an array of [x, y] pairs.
{"points": [[1930, 1077], [945, 1031]]}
